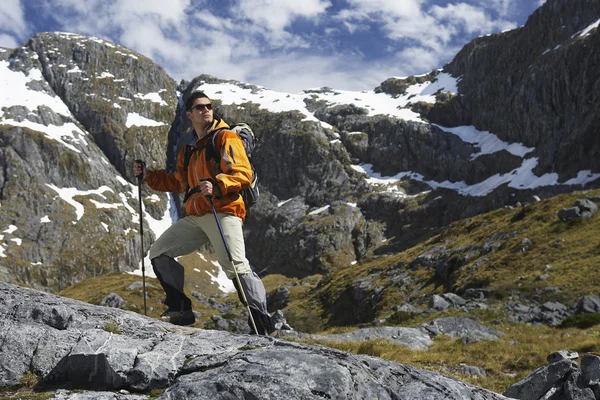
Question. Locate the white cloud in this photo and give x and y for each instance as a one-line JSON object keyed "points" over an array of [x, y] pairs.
{"points": [[253, 40], [504, 8], [276, 15], [472, 19], [421, 59], [8, 41], [12, 21], [174, 13]]}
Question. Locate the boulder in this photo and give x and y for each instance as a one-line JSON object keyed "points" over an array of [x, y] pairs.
{"points": [[460, 327], [113, 300], [413, 338], [149, 354], [590, 369], [540, 381], [588, 304], [438, 303]]}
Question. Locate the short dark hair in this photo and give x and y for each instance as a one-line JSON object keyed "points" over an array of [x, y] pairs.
{"points": [[195, 95]]}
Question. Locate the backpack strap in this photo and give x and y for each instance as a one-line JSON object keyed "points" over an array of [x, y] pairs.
{"points": [[213, 141]]}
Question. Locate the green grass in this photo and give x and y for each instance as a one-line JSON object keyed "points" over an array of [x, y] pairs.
{"points": [[571, 249], [112, 327]]}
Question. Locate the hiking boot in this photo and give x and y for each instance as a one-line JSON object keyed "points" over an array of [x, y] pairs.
{"points": [[275, 334], [185, 317]]}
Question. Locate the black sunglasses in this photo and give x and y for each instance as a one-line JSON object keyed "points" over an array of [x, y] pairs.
{"points": [[199, 107]]}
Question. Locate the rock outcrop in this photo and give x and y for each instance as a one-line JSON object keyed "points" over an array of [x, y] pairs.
{"points": [[67, 345]]}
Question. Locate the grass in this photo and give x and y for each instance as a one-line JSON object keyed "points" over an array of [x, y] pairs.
{"points": [[112, 327], [567, 252], [505, 361], [26, 390], [93, 290], [571, 250]]}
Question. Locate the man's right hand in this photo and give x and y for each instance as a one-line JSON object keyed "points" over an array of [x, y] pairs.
{"points": [[139, 169]]}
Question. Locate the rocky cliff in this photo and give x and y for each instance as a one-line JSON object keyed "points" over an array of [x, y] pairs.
{"points": [[73, 120], [537, 85]]}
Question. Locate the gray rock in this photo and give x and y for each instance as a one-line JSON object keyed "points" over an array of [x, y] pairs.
{"points": [[280, 322], [596, 389], [562, 355], [338, 376], [139, 285], [588, 304], [88, 369], [573, 391], [551, 314], [476, 294], [113, 300], [460, 327], [438, 303], [454, 299], [540, 381], [471, 370], [409, 308], [587, 208], [569, 214], [63, 394], [553, 306], [590, 369], [192, 363], [279, 299], [220, 323], [413, 338]]}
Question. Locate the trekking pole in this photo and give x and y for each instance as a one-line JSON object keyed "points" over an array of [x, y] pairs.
{"points": [[237, 277], [140, 179]]}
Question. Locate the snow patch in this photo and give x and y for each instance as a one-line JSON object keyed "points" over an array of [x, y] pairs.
{"points": [[11, 229], [319, 210], [135, 119], [486, 141], [589, 29], [153, 97]]}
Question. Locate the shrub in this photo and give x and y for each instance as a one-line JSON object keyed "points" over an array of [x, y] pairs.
{"points": [[112, 327], [581, 321], [400, 317]]}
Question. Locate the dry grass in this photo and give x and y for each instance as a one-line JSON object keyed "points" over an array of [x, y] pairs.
{"points": [[523, 349]]}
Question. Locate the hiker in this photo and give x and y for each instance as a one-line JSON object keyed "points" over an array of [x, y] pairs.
{"points": [[204, 185]]}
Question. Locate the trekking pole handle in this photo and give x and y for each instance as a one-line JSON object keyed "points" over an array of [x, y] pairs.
{"points": [[209, 196], [142, 164]]}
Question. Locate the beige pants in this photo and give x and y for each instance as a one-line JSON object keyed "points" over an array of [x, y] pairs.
{"points": [[192, 232]]}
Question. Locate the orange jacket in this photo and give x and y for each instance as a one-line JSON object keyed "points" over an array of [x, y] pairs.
{"points": [[235, 175]]}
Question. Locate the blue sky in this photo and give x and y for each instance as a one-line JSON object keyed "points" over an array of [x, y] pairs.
{"points": [[284, 45]]}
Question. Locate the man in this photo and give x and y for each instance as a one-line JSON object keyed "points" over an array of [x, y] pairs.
{"points": [[203, 180]]}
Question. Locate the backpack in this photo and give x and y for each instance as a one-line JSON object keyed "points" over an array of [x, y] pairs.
{"points": [[251, 194]]}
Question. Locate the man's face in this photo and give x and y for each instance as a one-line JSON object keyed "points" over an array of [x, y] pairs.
{"points": [[201, 112]]}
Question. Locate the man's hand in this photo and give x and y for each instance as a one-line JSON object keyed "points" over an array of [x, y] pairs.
{"points": [[139, 168], [206, 188]]}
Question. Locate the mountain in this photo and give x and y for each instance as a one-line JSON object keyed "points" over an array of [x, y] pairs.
{"points": [[374, 205], [344, 175]]}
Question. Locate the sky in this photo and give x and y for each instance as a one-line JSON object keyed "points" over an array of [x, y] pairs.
{"points": [[283, 45]]}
